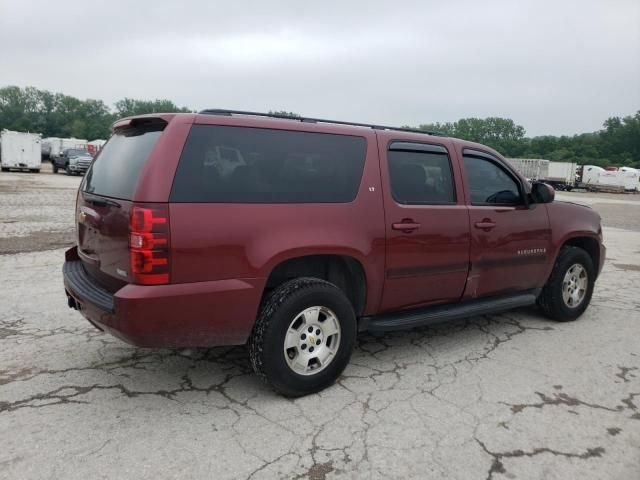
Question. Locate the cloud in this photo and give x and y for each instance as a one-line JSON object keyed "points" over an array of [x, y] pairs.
{"points": [[554, 67]]}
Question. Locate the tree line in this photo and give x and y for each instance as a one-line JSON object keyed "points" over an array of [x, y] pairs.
{"points": [[617, 143], [59, 115]]}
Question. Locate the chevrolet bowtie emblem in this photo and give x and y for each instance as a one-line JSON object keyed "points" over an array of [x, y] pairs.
{"points": [[312, 339]]}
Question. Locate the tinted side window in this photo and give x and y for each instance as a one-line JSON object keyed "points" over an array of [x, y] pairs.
{"points": [[254, 165], [489, 183], [420, 177]]}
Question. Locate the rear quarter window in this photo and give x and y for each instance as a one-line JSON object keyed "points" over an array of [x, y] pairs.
{"points": [[222, 164], [116, 169]]}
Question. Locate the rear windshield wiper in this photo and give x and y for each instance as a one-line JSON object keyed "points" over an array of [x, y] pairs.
{"points": [[102, 202]]}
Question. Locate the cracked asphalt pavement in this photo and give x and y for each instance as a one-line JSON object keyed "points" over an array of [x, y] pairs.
{"points": [[492, 397]]}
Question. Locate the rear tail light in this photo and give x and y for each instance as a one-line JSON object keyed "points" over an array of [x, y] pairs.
{"points": [[149, 244]]}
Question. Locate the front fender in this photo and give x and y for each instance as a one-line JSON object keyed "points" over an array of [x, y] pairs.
{"points": [[569, 222]]}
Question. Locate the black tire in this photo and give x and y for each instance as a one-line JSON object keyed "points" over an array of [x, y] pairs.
{"points": [[5, 169], [278, 310], [55, 168], [551, 301], [66, 170]]}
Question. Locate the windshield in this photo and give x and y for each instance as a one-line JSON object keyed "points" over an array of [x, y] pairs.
{"points": [[76, 152]]}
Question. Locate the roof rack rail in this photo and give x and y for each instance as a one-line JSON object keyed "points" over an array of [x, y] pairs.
{"points": [[219, 111]]}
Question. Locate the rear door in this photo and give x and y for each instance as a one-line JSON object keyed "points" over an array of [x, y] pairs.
{"points": [[427, 224], [35, 153], [105, 201], [510, 239]]}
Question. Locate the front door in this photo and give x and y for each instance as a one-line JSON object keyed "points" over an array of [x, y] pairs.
{"points": [[510, 239], [427, 225]]}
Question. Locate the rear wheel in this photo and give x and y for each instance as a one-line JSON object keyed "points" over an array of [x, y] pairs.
{"points": [[303, 337], [568, 291], [5, 169]]}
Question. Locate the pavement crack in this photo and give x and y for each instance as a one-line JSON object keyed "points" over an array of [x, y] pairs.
{"points": [[559, 399], [497, 466], [625, 373]]}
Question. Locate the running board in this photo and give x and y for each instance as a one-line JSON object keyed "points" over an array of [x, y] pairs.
{"points": [[443, 313]]}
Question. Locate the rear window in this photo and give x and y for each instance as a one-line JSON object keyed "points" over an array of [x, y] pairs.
{"points": [[115, 171], [421, 178], [255, 165]]}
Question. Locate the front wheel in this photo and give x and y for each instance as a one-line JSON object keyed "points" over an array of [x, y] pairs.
{"points": [[55, 168], [303, 337], [568, 291]]}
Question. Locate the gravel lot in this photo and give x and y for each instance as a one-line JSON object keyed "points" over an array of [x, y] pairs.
{"points": [[500, 396]]}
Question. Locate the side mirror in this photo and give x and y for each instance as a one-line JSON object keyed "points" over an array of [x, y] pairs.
{"points": [[542, 192]]}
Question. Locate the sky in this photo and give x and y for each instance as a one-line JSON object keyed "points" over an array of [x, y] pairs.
{"points": [[554, 67]]}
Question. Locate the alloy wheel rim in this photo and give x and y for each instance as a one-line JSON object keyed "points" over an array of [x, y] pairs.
{"points": [[574, 285], [312, 340]]}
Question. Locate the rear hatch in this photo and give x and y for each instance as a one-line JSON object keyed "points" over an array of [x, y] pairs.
{"points": [[105, 202]]}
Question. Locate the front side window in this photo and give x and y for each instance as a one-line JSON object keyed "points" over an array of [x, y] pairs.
{"points": [[222, 164], [489, 183], [420, 177]]}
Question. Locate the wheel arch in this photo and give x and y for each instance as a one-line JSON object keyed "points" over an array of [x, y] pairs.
{"points": [[587, 241], [589, 244], [343, 270]]}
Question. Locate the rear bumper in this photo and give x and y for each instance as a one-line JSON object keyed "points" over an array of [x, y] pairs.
{"points": [[202, 314]]}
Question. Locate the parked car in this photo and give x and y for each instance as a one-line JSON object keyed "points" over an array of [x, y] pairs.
{"points": [[73, 161], [226, 228]]}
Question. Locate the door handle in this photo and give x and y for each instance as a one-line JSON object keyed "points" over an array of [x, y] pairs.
{"points": [[485, 224], [405, 227]]}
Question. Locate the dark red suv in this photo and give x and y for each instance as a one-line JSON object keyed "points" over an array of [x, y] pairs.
{"points": [[291, 235]]}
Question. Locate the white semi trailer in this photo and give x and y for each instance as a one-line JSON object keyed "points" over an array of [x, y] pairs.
{"points": [[531, 168], [56, 144], [621, 180], [562, 175], [20, 150]]}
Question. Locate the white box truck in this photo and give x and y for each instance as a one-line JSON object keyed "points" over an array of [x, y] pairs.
{"points": [[80, 143], [57, 144], [20, 150]]}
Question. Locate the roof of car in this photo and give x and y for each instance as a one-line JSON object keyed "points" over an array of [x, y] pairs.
{"points": [[258, 119]]}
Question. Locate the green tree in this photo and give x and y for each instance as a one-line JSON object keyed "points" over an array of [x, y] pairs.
{"points": [[284, 114], [59, 115], [129, 106], [621, 138], [499, 133]]}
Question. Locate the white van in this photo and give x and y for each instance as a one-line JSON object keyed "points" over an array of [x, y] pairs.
{"points": [[20, 150]]}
